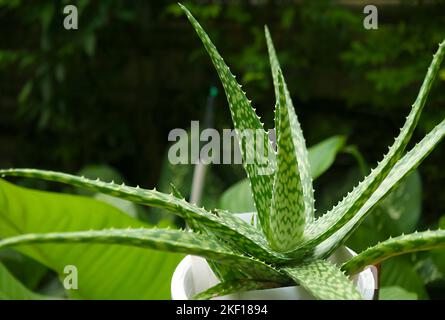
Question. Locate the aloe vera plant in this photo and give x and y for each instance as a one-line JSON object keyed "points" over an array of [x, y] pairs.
{"points": [[290, 246]]}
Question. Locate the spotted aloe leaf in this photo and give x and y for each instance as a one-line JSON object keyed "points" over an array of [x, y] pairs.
{"points": [[287, 214], [158, 239], [230, 287], [403, 167], [419, 241], [256, 148], [261, 248], [222, 271], [238, 198], [226, 272], [345, 210], [300, 149], [324, 281], [246, 237]]}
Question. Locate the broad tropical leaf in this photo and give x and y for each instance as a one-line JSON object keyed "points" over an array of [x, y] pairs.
{"points": [[287, 214], [322, 154], [238, 198], [103, 270], [396, 293], [401, 272], [418, 241], [300, 151], [324, 281], [258, 154], [12, 289]]}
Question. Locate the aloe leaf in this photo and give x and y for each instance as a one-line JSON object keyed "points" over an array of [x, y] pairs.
{"points": [[229, 287], [300, 150], [419, 241], [226, 272], [12, 289], [403, 167], [238, 198], [287, 214], [324, 281], [258, 155], [260, 248], [223, 272], [225, 225], [158, 239], [345, 210]]}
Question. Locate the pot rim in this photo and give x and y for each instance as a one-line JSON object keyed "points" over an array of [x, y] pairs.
{"points": [[183, 285]]}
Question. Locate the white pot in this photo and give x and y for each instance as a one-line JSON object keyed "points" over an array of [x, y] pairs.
{"points": [[193, 275]]}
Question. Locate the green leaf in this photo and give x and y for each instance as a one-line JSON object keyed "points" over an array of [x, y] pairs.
{"points": [[288, 211], [229, 287], [396, 293], [398, 213], [403, 206], [238, 198], [324, 281], [428, 267], [403, 167], [332, 221], [442, 222], [246, 237], [12, 289], [158, 239], [419, 241], [258, 158], [300, 150], [28, 271], [105, 272], [400, 272], [438, 256], [322, 155], [103, 171], [107, 173]]}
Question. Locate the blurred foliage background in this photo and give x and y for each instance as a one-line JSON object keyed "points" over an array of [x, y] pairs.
{"points": [[109, 92]]}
